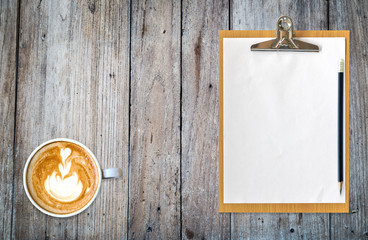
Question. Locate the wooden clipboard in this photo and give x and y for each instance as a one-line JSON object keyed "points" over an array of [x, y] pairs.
{"points": [[282, 207]]}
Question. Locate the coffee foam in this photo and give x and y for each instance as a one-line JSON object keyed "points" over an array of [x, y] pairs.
{"points": [[64, 189], [62, 177]]}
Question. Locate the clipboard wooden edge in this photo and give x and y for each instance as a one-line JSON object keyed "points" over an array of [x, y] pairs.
{"points": [[283, 207]]}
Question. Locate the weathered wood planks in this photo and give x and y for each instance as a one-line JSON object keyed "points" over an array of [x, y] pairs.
{"points": [[353, 16], [139, 80], [8, 42], [202, 21], [73, 82], [262, 15], [154, 187]]}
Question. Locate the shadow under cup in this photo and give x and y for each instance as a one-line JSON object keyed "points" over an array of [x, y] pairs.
{"points": [[62, 177]]}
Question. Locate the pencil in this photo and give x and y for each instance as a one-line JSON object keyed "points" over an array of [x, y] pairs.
{"points": [[340, 125]]}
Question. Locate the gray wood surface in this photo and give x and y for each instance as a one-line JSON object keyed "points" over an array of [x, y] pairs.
{"points": [[353, 15], [8, 43], [154, 186], [137, 82], [74, 82], [200, 87]]}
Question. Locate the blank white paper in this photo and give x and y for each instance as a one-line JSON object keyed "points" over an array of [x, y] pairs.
{"points": [[280, 123]]}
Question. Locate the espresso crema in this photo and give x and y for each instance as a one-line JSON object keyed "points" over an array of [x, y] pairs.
{"points": [[62, 177]]}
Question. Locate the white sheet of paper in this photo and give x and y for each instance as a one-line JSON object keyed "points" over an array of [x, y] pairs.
{"points": [[280, 123]]}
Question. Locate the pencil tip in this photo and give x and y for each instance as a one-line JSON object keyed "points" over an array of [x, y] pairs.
{"points": [[340, 183]]}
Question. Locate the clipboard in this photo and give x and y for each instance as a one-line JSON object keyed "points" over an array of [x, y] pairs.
{"points": [[283, 207]]}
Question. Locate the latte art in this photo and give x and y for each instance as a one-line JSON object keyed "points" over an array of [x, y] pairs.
{"points": [[62, 177], [64, 189]]}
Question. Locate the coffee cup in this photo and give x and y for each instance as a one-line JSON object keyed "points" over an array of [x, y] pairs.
{"points": [[62, 177]]}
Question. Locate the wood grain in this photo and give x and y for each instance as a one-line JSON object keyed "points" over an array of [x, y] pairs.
{"points": [[8, 42], [202, 21], [262, 15], [352, 15], [73, 82], [75, 70], [154, 191]]}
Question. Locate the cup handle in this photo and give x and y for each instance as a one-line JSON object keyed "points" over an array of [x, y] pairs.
{"points": [[111, 173]]}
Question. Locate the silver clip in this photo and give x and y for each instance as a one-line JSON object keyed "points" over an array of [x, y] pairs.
{"points": [[284, 39]]}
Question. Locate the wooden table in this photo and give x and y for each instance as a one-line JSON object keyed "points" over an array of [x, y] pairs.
{"points": [[137, 82]]}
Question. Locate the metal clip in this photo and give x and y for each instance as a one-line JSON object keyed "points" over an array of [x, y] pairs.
{"points": [[284, 39]]}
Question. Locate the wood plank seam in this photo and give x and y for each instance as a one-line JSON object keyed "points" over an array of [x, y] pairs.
{"points": [[15, 112], [129, 117], [230, 27], [328, 28], [181, 123]]}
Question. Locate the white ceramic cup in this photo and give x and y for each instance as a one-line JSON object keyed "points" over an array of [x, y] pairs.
{"points": [[105, 174]]}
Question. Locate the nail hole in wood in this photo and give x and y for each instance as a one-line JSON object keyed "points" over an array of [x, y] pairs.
{"points": [[92, 7]]}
